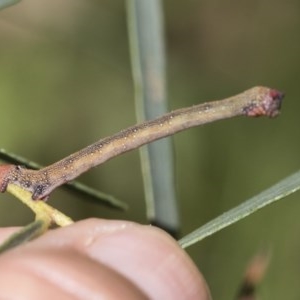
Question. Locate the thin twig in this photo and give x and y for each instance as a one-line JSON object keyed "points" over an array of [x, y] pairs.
{"points": [[45, 216]]}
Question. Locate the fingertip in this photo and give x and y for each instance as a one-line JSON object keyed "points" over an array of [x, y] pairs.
{"points": [[148, 256], [145, 255], [60, 274]]}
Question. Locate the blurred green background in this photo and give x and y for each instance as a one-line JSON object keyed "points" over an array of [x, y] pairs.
{"points": [[65, 82]]}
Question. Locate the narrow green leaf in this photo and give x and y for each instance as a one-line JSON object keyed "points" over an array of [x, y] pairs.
{"points": [[278, 191], [145, 26], [25, 234]]}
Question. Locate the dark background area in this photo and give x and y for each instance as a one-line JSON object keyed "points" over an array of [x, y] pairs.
{"points": [[65, 82]]}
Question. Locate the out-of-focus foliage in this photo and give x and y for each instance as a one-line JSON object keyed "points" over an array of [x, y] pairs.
{"points": [[7, 3], [65, 81]]}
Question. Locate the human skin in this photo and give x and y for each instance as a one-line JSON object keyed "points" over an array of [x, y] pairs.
{"points": [[100, 259]]}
